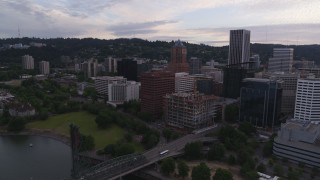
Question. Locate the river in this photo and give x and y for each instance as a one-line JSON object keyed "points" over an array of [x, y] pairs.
{"points": [[47, 159]]}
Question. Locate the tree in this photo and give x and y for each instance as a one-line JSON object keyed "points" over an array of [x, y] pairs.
{"points": [[222, 174], [167, 166], [110, 149], [123, 149], [16, 124], [294, 175], [231, 113], [247, 128], [201, 172], [267, 149], [231, 159], [145, 116], [216, 152], [183, 169], [167, 133], [252, 175], [261, 168], [104, 119], [91, 93], [193, 150], [278, 170], [87, 143]]}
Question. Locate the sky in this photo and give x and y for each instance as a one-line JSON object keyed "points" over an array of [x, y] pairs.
{"points": [[197, 21]]}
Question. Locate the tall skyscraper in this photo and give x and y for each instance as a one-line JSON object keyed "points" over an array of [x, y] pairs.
{"points": [[282, 60], [154, 86], [308, 100], [178, 61], [111, 64], [27, 62], [239, 47], [44, 67]]}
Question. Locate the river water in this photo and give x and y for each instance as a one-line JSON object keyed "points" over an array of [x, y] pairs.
{"points": [[47, 159]]}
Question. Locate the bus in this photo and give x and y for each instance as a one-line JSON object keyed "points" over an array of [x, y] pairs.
{"points": [[163, 152]]}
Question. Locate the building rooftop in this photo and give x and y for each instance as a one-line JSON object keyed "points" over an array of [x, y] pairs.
{"points": [[178, 43]]}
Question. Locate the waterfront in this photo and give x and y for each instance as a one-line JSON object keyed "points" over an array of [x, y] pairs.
{"points": [[47, 158]]}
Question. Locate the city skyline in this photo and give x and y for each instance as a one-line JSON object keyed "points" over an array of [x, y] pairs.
{"points": [[209, 22]]}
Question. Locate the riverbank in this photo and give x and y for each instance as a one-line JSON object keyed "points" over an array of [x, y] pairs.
{"points": [[38, 132]]}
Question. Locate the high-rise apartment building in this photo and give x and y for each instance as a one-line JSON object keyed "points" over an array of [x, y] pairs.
{"points": [[282, 60], [239, 47], [178, 61], [307, 106], [189, 110], [90, 68], [27, 62], [44, 67], [260, 102], [154, 86], [195, 65], [111, 64]]}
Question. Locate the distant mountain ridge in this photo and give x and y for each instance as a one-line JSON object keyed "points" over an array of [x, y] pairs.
{"points": [[123, 47]]}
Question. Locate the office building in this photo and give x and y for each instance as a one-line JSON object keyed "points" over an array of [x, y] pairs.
{"points": [[232, 80], [90, 68], [239, 47], [289, 88], [299, 141], [120, 92], [189, 110], [101, 83], [213, 72], [260, 102], [128, 68], [154, 86], [282, 60], [178, 61], [27, 62], [44, 67], [195, 65], [184, 82], [307, 107], [254, 62], [205, 85]]}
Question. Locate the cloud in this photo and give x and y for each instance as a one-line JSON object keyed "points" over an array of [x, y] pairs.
{"points": [[137, 28]]}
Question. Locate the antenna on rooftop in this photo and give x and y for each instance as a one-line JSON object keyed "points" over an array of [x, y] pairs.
{"points": [[18, 31]]}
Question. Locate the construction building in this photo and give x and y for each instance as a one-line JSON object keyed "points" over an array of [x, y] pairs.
{"points": [[189, 110]]}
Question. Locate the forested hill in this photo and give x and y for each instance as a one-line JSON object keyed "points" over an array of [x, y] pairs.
{"points": [[90, 47]]}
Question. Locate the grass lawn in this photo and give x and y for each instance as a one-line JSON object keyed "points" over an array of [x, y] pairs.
{"points": [[87, 124]]}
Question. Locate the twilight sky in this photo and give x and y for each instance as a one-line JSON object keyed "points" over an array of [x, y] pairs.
{"points": [[196, 21]]}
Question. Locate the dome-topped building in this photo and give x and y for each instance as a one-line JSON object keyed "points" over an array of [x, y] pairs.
{"points": [[178, 61]]}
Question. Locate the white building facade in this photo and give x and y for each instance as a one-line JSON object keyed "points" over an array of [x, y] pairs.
{"points": [[239, 46], [184, 82], [307, 106], [118, 93], [101, 83]]}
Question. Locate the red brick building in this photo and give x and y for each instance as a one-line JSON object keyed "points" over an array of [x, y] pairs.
{"points": [[178, 61], [154, 86]]}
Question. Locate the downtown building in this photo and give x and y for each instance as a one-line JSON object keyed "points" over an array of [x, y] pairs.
{"points": [[195, 65], [120, 92], [282, 60], [27, 62], [289, 88], [239, 47], [154, 86], [44, 67], [178, 61], [307, 107], [260, 102], [184, 82], [189, 110], [90, 68], [111, 64], [101, 84]]}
